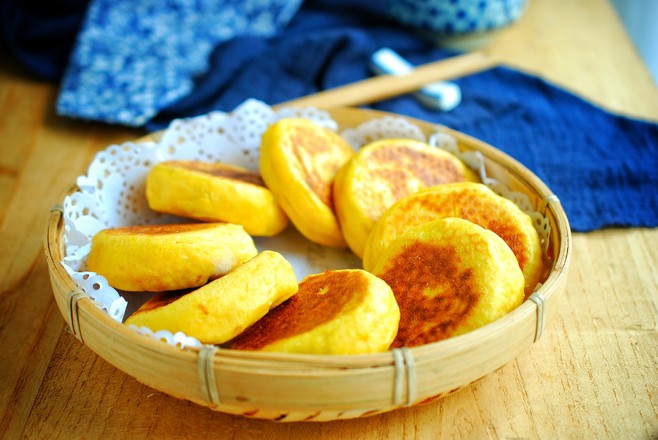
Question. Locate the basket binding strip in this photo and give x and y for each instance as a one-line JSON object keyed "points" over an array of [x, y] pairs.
{"points": [[405, 367], [74, 319], [206, 363], [540, 301]]}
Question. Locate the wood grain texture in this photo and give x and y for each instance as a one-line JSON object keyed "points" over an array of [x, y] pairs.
{"points": [[592, 375], [41, 155]]}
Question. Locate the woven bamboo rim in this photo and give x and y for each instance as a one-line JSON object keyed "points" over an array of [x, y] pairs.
{"points": [[286, 387]]}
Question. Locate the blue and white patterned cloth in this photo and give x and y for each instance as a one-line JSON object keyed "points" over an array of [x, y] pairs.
{"points": [[133, 59]]}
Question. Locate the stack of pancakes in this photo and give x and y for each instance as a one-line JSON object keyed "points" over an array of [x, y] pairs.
{"points": [[442, 254]]}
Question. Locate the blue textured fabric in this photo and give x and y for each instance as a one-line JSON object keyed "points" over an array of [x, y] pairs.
{"points": [[41, 33], [603, 167]]}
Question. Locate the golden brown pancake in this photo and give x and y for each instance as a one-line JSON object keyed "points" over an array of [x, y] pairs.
{"points": [[384, 172], [222, 309], [468, 200], [155, 258], [215, 192], [335, 312], [299, 160], [449, 276]]}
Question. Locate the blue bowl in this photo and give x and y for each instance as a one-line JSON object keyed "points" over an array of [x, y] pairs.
{"points": [[449, 19]]}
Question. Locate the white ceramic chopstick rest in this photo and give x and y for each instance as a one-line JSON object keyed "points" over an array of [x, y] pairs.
{"points": [[441, 95]]}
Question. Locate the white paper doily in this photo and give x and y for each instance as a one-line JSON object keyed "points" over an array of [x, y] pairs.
{"points": [[112, 194]]}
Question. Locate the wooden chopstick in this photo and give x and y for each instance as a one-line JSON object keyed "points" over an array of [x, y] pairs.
{"points": [[382, 87]]}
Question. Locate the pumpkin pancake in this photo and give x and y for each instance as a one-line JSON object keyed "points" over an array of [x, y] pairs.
{"points": [[468, 200], [215, 192], [222, 309], [384, 172], [449, 276], [299, 160], [168, 257], [336, 312]]}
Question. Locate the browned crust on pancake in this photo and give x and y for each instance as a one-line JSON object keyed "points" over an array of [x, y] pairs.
{"points": [[430, 169], [425, 319], [472, 208], [319, 299], [167, 229], [305, 143], [220, 170], [512, 237]]}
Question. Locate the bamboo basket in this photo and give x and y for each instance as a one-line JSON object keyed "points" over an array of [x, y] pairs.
{"points": [[285, 387]]}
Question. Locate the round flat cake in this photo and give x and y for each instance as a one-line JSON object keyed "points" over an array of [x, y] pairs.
{"points": [[468, 200], [222, 309], [383, 172], [156, 258], [299, 160], [215, 192], [336, 312], [449, 276]]}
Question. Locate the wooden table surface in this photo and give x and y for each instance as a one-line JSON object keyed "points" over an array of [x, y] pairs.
{"points": [[594, 373]]}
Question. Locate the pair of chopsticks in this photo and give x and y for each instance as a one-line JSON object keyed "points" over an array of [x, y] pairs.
{"points": [[387, 86]]}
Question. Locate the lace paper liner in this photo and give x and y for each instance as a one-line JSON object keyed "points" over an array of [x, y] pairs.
{"points": [[112, 194]]}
